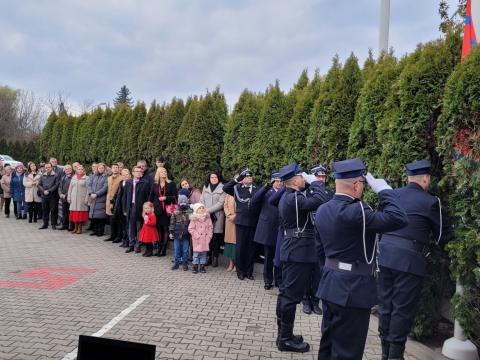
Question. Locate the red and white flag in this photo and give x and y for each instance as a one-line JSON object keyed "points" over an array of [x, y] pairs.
{"points": [[472, 23]]}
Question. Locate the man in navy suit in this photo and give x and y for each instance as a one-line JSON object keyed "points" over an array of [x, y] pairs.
{"points": [[267, 228], [242, 189], [297, 253], [402, 259], [347, 229], [137, 191]]}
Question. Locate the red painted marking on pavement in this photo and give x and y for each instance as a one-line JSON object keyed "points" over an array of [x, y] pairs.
{"points": [[47, 278]]}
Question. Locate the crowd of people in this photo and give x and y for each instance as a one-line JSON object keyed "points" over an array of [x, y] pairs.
{"points": [[316, 244]]}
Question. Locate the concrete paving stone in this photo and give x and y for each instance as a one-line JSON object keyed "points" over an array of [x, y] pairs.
{"points": [[212, 316]]}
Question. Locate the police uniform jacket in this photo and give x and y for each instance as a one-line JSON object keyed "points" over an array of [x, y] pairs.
{"points": [[402, 249], [339, 224], [267, 226], [274, 200], [247, 215], [299, 241]]}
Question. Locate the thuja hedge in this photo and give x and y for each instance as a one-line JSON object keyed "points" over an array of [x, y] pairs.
{"points": [[386, 112]]}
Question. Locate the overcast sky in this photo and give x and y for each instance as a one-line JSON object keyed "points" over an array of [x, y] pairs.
{"points": [[160, 49]]}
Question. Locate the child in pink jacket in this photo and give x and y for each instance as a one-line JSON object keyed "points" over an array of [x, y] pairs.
{"points": [[201, 229]]}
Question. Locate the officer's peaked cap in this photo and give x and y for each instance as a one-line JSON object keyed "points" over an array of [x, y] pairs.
{"points": [[421, 167], [246, 172], [275, 176], [348, 169], [318, 170], [289, 171]]}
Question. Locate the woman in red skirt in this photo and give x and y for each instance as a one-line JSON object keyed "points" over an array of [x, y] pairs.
{"points": [[77, 197], [148, 233]]}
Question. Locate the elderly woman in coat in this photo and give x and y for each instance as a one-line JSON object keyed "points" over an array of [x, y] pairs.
{"points": [[97, 192], [33, 201], [5, 184], [213, 198], [18, 192], [77, 197]]}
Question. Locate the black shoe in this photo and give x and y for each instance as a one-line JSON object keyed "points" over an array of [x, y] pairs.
{"points": [[43, 227], [293, 346], [24, 216], [93, 234], [307, 308], [195, 268], [18, 217], [396, 351], [130, 249], [215, 261], [241, 277], [7, 216], [250, 277], [115, 241], [54, 227], [316, 309], [185, 267], [100, 234], [108, 239], [147, 253], [202, 269], [30, 220], [63, 228], [175, 266], [268, 286], [385, 348], [34, 220]]}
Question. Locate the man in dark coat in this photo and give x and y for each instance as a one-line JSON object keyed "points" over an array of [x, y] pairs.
{"points": [[242, 189], [402, 259], [267, 227], [48, 187], [347, 232], [297, 253], [136, 192], [310, 302], [63, 192], [147, 175]]}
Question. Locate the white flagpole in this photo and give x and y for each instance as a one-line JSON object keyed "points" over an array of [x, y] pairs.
{"points": [[384, 26]]}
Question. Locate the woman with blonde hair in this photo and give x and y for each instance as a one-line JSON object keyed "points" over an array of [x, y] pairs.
{"points": [[32, 200], [164, 194], [77, 197]]}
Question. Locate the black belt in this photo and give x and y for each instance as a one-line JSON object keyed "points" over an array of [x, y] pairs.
{"points": [[298, 233], [352, 268]]}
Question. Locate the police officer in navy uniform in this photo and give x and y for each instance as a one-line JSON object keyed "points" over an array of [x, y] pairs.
{"points": [[242, 189], [297, 253], [346, 237], [310, 302], [402, 259], [267, 228]]}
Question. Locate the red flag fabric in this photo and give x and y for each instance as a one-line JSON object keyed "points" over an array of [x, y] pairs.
{"points": [[469, 37]]}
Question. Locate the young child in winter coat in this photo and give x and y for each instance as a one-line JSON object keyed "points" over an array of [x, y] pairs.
{"points": [[179, 232], [148, 233], [201, 229]]}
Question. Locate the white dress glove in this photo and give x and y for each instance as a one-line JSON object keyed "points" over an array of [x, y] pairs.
{"points": [[377, 185]]}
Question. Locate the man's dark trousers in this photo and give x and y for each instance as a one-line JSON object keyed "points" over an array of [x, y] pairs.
{"points": [[50, 210], [244, 250]]}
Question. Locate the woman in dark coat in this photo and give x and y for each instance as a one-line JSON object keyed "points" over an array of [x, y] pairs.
{"points": [[97, 192], [17, 189], [164, 193]]}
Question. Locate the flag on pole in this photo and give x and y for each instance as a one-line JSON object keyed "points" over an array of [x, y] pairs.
{"points": [[469, 36]]}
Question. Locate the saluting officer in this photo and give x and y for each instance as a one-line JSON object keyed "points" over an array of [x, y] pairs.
{"points": [[310, 302], [346, 233], [402, 260], [297, 253], [267, 228], [242, 188]]}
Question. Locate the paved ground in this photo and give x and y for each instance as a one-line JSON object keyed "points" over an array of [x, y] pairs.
{"points": [[55, 286]]}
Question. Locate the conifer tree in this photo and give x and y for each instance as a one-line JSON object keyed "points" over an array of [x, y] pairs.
{"points": [[240, 133], [86, 135], [267, 152], [115, 134], [100, 140], [66, 142], [77, 152], [298, 126], [123, 97], [46, 136], [133, 127], [150, 137], [172, 120], [56, 136]]}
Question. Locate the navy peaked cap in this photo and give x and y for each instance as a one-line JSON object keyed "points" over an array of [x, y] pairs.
{"points": [[348, 169], [289, 171], [420, 167]]}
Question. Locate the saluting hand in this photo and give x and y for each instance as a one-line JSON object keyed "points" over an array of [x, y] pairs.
{"points": [[377, 185]]}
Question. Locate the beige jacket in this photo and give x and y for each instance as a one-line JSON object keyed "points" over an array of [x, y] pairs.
{"points": [[5, 183], [78, 194], [30, 182], [113, 184], [229, 208]]}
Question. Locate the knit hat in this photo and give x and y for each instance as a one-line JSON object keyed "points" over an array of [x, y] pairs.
{"points": [[184, 192], [182, 199], [196, 206]]}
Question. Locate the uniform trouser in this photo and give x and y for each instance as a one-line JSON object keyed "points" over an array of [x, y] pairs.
{"points": [[398, 294], [50, 210], [294, 282], [244, 250], [344, 332], [270, 271], [65, 213], [312, 285]]}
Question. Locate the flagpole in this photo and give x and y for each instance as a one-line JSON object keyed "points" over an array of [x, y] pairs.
{"points": [[384, 26]]}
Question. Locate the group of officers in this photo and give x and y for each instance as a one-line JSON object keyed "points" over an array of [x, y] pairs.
{"points": [[353, 256]]}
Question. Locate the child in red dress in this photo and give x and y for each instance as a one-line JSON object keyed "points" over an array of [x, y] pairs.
{"points": [[148, 234]]}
